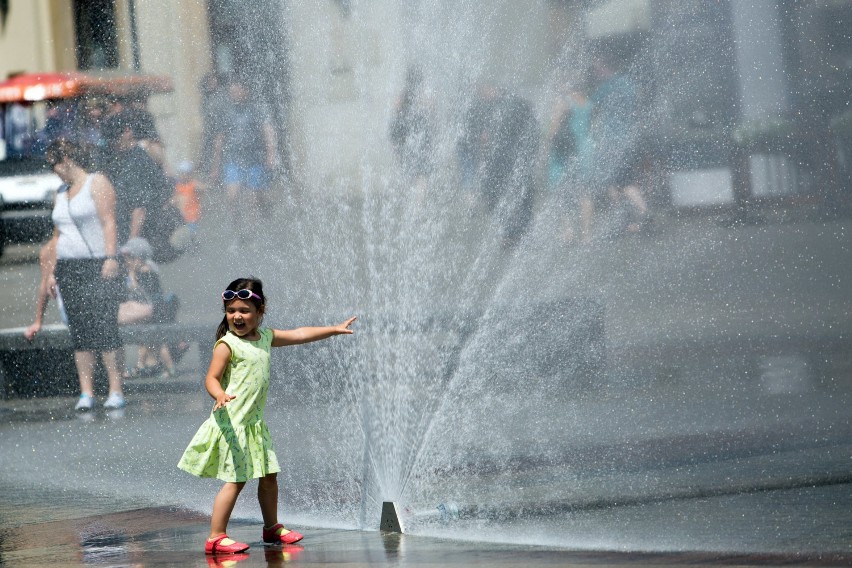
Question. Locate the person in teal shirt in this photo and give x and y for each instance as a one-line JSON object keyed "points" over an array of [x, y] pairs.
{"points": [[616, 145], [570, 158]]}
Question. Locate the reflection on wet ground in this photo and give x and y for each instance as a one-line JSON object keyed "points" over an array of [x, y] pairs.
{"points": [[164, 536]]}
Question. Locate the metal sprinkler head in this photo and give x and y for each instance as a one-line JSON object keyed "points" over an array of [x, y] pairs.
{"points": [[391, 521]]}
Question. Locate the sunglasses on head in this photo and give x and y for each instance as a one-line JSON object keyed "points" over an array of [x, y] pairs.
{"points": [[243, 294]]}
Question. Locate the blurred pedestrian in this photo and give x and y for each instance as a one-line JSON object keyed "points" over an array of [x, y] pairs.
{"points": [[145, 132], [412, 131], [245, 150], [187, 196], [90, 114], [470, 149], [142, 187], [615, 133], [214, 101], [87, 270], [569, 159], [499, 149], [59, 123]]}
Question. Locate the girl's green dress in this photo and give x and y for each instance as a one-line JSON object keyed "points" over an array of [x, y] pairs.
{"points": [[234, 444]]}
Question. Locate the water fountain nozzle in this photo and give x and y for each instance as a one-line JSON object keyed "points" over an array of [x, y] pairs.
{"points": [[391, 521]]}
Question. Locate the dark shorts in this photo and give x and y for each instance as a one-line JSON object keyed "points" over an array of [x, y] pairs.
{"points": [[91, 303], [617, 171]]}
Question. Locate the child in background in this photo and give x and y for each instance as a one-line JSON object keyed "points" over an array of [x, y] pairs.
{"points": [[145, 304], [187, 196], [234, 444]]}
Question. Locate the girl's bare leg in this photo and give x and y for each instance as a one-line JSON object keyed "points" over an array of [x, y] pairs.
{"points": [[223, 506], [267, 496]]}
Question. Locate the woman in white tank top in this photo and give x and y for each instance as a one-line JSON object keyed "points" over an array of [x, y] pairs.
{"points": [[78, 224], [87, 269]]}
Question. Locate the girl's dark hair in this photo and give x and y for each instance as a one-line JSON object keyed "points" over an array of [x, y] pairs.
{"points": [[253, 284], [80, 153]]}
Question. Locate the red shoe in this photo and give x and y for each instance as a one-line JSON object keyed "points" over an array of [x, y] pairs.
{"points": [[215, 546], [274, 536]]}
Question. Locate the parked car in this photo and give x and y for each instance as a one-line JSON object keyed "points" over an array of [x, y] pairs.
{"points": [[27, 189]]}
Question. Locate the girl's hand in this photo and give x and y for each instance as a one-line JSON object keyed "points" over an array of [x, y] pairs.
{"points": [[300, 335], [344, 327], [223, 400]]}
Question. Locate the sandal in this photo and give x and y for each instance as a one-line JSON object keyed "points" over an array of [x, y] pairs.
{"points": [[139, 372], [150, 370], [215, 545], [134, 373], [274, 535]]}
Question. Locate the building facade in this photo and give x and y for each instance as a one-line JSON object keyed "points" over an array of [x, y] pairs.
{"points": [[118, 36]]}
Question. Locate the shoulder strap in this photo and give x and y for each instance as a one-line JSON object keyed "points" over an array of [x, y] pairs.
{"points": [[77, 225]]}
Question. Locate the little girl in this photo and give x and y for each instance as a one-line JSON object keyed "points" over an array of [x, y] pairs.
{"points": [[234, 444]]}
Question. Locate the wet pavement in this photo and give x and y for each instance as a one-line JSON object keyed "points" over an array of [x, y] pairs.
{"points": [[101, 489], [49, 528], [739, 450]]}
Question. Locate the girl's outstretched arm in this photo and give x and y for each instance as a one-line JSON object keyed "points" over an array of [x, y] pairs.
{"points": [[213, 382], [282, 337]]}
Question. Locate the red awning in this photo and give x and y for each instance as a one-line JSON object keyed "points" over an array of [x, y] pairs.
{"points": [[44, 86]]}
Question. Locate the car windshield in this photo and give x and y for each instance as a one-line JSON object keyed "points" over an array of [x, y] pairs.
{"points": [[27, 130]]}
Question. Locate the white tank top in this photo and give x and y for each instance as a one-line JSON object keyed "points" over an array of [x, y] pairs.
{"points": [[80, 231]]}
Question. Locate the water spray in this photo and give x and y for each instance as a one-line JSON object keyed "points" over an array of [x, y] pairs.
{"points": [[391, 521]]}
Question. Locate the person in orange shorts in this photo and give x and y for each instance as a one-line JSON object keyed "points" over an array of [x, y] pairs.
{"points": [[187, 196]]}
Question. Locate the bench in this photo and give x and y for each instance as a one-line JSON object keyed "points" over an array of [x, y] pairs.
{"points": [[561, 341], [45, 365]]}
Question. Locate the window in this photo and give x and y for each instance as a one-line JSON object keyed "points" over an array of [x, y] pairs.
{"points": [[97, 37]]}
